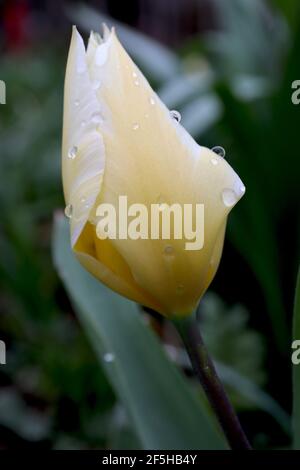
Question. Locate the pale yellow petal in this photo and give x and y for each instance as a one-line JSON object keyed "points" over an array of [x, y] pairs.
{"points": [[83, 156], [150, 159], [103, 261]]}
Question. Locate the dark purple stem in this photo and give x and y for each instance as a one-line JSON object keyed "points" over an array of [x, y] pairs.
{"points": [[206, 373]]}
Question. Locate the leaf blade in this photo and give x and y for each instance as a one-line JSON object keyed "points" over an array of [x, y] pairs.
{"points": [[296, 369], [165, 412]]}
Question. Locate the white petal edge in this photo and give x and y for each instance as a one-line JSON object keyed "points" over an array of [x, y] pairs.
{"points": [[82, 175]]}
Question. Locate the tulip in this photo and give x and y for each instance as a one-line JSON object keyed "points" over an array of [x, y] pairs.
{"points": [[120, 139]]}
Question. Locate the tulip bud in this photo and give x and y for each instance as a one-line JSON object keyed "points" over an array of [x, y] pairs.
{"points": [[120, 140]]}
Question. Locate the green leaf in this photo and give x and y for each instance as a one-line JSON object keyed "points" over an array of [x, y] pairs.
{"points": [[290, 9], [296, 369], [164, 411], [236, 49], [252, 225], [186, 87], [254, 395], [199, 115]]}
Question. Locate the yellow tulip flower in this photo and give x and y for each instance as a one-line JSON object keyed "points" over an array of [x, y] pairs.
{"points": [[120, 139]]}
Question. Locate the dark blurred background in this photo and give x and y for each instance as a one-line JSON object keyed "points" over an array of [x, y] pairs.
{"points": [[228, 68]]}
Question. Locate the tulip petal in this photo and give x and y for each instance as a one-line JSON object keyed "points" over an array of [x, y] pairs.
{"points": [[83, 166], [151, 159], [108, 266], [83, 155]]}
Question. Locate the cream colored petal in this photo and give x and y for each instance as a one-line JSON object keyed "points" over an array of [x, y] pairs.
{"points": [[83, 162], [103, 261], [94, 41], [151, 159], [83, 155]]}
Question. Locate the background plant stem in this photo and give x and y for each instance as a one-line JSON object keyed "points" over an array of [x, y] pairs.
{"points": [[206, 373]]}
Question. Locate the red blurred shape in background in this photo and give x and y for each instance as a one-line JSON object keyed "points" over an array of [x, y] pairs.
{"points": [[15, 24]]}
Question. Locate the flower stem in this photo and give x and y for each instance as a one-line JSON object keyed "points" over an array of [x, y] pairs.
{"points": [[206, 373]]}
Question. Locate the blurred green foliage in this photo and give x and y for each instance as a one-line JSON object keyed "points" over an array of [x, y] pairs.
{"points": [[52, 379], [164, 411], [233, 88], [296, 370]]}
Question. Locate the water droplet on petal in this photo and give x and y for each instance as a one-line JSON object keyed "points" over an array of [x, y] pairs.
{"points": [[159, 200], [242, 189], [109, 357], [229, 197], [96, 118], [169, 250], [214, 161], [96, 84], [69, 211], [175, 115], [219, 151], [72, 152], [180, 289], [135, 126], [134, 74], [152, 101], [136, 82]]}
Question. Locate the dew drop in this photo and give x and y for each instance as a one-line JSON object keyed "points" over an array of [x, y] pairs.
{"points": [[152, 101], [219, 151], [134, 74], [96, 84], [214, 161], [159, 200], [229, 197], [96, 118], [169, 250], [180, 289], [162, 206], [72, 152], [175, 115], [108, 357], [136, 82], [69, 211], [242, 189], [135, 126]]}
